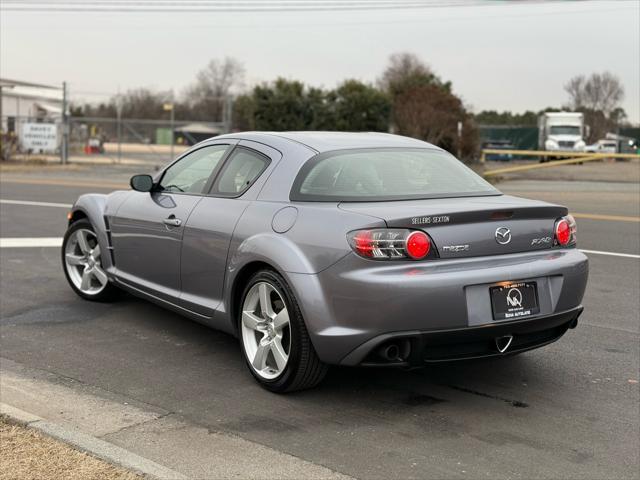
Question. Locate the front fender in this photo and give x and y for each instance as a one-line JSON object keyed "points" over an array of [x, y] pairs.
{"points": [[94, 206]]}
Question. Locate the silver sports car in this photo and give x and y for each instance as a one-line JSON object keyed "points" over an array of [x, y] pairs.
{"points": [[318, 248]]}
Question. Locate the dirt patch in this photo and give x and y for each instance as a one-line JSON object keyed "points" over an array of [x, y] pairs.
{"points": [[28, 454], [39, 166]]}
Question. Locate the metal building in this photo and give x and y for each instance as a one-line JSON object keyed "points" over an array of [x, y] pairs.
{"points": [[26, 100]]}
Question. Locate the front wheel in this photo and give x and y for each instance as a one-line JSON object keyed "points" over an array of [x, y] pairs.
{"points": [[82, 263], [274, 339]]}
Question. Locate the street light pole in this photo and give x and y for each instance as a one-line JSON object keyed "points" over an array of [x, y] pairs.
{"points": [[172, 130], [64, 150]]}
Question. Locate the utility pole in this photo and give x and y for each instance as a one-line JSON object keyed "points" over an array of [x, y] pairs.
{"points": [[170, 107], [119, 125], [4, 147], [459, 140], [227, 113], [64, 150]]}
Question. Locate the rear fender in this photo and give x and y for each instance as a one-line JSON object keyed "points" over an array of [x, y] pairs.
{"points": [[297, 240], [259, 251], [274, 249]]}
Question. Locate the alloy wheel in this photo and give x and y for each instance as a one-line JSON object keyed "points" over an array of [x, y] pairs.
{"points": [[83, 264], [266, 330]]}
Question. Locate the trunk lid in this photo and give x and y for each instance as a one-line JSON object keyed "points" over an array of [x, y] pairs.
{"points": [[472, 226]]}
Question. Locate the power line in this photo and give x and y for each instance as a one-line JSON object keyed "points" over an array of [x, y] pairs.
{"points": [[246, 6], [213, 2], [228, 3], [339, 24], [104, 8]]}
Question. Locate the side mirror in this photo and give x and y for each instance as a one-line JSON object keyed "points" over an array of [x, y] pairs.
{"points": [[141, 183]]}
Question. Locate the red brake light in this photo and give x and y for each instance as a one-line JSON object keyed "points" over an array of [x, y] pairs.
{"points": [[363, 243], [418, 245], [390, 243], [563, 232]]}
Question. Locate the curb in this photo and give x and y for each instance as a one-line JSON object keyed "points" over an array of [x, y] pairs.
{"points": [[86, 443]]}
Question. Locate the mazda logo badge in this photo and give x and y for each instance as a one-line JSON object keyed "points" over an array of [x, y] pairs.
{"points": [[503, 235]]}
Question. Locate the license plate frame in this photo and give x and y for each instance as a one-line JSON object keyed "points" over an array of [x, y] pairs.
{"points": [[515, 300]]}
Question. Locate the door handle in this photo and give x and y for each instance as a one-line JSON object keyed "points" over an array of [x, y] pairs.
{"points": [[172, 221]]}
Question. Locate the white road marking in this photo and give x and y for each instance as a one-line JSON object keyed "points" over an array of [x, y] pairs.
{"points": [[36, 204], [30, 242], [613, 254]]}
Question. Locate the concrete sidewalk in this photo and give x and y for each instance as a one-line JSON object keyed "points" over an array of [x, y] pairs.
{"points": [[137, 436]]}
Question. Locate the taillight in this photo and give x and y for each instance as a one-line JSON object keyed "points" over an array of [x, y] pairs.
{"points": [[390, 244], [565, 231], [418, 245], [363, 243]]}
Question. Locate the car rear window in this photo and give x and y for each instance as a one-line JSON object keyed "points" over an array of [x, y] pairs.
{"points": [[386, 174]]}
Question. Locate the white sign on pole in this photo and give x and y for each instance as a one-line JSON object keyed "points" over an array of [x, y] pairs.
{"points": [[39, 137]]}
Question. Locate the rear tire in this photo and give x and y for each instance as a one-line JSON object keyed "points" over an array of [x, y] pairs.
{"points": [[273, 336], [82, 263]]}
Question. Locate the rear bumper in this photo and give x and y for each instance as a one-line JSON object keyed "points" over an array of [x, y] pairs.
{"points": [[356, 302], [423, 347]]}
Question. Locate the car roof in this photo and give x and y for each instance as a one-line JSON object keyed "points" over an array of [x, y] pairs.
{"points": [[327, 141]]}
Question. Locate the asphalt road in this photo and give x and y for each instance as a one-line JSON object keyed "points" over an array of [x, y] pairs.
{"points": [[568, 410]]}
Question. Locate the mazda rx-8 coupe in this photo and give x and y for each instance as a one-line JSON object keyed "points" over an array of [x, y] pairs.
{"points": [[325, 248]]}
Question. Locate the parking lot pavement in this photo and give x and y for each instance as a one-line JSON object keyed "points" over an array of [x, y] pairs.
{"points": [[567, 410], [608, 213], [626, 171]]}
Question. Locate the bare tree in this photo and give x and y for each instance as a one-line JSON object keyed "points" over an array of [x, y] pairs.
{"points": [[423, 106], [599, 97], [213, 85], [432, 113], [405, 72], [575, 89], [600, 92]]}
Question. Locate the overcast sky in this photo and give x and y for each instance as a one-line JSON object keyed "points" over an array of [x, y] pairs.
{"points": [[505, 57]]}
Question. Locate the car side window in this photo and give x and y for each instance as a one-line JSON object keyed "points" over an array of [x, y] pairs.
{"points": [[191, 173], [240, 171]]}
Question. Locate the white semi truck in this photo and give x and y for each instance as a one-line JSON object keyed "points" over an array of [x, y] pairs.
{"points": [[561, 132]]}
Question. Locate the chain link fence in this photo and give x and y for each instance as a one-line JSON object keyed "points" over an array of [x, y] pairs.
{"points": [[101, 139]]}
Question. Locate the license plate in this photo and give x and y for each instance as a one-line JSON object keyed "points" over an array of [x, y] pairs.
{"points": [[515, 300]]}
